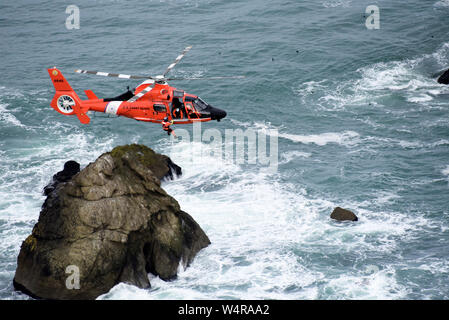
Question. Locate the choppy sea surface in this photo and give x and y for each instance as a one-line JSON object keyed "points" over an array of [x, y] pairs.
{"points": [[361, 122]]}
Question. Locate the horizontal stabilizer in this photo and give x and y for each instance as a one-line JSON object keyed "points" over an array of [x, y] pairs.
{"points": [[83, 118], [90, 95]]}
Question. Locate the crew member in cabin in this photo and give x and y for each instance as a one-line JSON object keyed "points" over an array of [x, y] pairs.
{"points": [[177, 109], [189, 109], [177, 113]]}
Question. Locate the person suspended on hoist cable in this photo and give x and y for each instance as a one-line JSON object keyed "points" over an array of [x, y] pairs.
{"points": [[166, 126]]}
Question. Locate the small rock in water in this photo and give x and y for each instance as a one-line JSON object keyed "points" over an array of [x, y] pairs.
{"points": [[444, 78], [341, 214]]}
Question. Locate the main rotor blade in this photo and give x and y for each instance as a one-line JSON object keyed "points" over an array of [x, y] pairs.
{"points": [[142, 93], [177, 60], [207, 78], [115, 75]]}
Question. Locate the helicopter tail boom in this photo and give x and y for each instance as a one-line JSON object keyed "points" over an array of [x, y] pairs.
{"points": [[65, 100]]}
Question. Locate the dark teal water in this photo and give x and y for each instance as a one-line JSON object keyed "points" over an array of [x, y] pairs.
{"points": [[362, 124]]}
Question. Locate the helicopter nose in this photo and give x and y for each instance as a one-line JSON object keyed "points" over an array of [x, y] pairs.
{"points": [[217, 114]]}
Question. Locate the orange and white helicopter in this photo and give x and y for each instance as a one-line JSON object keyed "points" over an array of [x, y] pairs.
{"points": [[152, 100]]}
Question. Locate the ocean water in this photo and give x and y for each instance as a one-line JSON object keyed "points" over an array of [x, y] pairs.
{"points": [[361, 122]]}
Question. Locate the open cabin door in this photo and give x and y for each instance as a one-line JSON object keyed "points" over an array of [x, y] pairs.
{"points": [[177, 106]]}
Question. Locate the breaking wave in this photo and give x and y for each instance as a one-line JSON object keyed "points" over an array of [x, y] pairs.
{"points": [[272, 240], [7, 117], [374, 82]]}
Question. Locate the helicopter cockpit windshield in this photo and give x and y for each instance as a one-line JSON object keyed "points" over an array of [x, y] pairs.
{"points": [[200, 105], [205, 110]]}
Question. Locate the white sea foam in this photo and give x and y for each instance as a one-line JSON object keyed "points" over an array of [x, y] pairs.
{"points": [[402, 76], [337, 3], [293, 155], [7, 117], [311, 87], [371, 142], [417, 144], [442, 3], [445, 171], [421, 98], [346, 138], [377, 81], [261, 232], [370, 284]]}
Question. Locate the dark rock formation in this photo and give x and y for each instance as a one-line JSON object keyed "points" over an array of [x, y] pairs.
{"points": [[113, 222], [444, 78], [70, 169], [174, 169], [341, 214]]}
